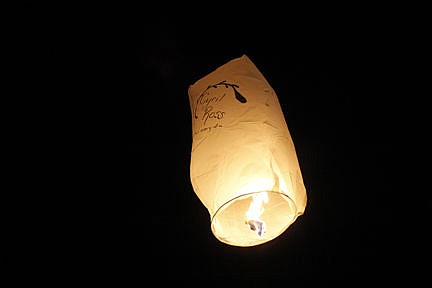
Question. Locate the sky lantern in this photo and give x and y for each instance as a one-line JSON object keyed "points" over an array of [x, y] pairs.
{"points": [[244, 167]]}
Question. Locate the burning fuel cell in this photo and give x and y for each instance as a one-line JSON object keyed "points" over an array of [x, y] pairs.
{"points": [[254, 212], [257, 225]]}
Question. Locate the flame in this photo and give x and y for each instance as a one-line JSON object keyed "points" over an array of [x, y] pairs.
{"points": [[255, 211]]}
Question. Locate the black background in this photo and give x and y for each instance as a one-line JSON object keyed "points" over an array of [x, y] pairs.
{"points": [[120, 81], [324, 74]]}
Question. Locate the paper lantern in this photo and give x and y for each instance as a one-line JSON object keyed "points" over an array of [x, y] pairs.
{"points": [[244, 167]]}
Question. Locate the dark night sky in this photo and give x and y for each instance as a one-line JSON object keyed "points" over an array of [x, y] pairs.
{"points": [[131, 135], [323, 74]]}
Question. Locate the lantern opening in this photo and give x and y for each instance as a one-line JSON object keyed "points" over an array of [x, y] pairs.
{"points": [[268, 214]]}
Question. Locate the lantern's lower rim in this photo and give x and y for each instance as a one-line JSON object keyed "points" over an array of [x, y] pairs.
{"points": [[287, 219]]}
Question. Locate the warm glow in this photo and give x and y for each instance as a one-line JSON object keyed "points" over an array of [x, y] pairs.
{"points": [[253, 214], [243, 166]]}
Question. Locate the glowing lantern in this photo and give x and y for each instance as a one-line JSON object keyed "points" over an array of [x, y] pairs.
{"points": [[244, 167]]}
